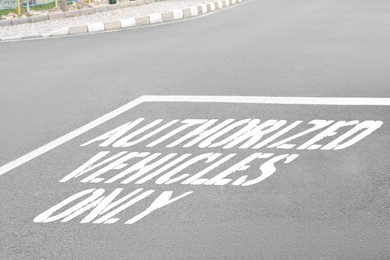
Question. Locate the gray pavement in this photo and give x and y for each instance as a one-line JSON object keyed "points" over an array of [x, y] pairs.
{"points": [[325, 204]]}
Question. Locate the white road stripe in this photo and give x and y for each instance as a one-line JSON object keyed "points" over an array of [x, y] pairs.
{"points": [[195, 99], [330, 101], [63, 139]]}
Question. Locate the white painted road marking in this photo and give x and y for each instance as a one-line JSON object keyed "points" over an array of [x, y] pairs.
{"points": [[63, 139], [194, 99]]}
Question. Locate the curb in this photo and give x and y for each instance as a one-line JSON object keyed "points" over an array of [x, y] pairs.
{"points": [[74, 13], [151, 19]]}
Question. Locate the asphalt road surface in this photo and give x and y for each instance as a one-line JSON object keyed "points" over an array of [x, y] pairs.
{"points": [[204, 167]]}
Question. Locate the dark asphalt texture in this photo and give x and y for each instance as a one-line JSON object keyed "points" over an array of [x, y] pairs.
{"points": [[324, 205]]}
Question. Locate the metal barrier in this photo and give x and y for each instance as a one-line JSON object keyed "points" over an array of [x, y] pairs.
{"points": [[8, 4], [36, 2], [13, 4]]}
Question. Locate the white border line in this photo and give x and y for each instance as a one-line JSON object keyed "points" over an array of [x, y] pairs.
{"points": [[63, 139], [330, 101], [194, 99]]}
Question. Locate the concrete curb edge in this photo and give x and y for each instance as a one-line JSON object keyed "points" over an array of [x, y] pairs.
{"points": [[151, 19], [74, 13]]}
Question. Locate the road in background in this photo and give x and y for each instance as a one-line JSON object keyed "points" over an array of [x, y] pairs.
{"points": [[330, 205]]}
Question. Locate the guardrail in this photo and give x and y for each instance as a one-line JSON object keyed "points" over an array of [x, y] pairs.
{"points": [[8, 4], [35, 3], [13, 4]]}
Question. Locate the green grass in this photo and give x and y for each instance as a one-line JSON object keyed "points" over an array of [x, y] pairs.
{"points": [[36, 8]]}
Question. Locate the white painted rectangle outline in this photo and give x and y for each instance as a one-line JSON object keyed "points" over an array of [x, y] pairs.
{"points": [[327, 101]]}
